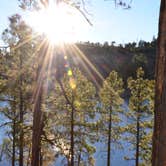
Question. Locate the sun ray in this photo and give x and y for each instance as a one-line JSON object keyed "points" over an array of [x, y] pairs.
{"points": [[57, 22], [87, 64], [43, 65], [24, 69], [49, 68], [85, 67], [25, 41], [31, 61], [80, 53]]}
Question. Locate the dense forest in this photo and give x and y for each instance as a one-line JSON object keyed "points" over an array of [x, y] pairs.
{"points": [[80, 90]]}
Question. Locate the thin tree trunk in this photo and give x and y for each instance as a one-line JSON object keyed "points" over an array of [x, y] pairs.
{"points": [[21, 140], [41, 158], [70, 159], [159, 135], [29, 154], [137, 141], [14, 135], [79, 159], [72, 133], [109, 139]]}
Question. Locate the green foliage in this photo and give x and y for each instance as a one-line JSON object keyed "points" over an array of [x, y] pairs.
{"points": [[111, 91], [16, 82], [141, 111], [110, 96], [139, 60], [74, 91]]}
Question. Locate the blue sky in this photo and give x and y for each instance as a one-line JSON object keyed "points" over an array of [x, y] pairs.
{"points": [[109, 23]]}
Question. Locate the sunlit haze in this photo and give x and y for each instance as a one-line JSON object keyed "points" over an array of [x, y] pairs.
{"points": [[59, 23]]}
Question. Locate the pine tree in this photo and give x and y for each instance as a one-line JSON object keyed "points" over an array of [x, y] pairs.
{"points": [[16, 87], [140, 117], [110, 95], [72, 111]]}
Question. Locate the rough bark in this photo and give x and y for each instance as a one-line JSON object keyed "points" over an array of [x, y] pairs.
{"points": [[37, 110], [36, 137], [159, 136], [109, 140], [41, 158]]}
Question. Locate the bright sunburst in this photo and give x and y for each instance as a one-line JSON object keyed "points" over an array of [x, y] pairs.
{"points": [[58, 23]]}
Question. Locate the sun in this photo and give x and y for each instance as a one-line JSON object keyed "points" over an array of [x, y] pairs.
{"points": [[57, 22]]}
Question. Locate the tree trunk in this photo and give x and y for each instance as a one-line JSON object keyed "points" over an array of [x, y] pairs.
{"points": [[14, 142], [41, 158], [79, 159], [37, 127], [109, 140], [137, 141], [29, 154], [159, 135], [37, 110], [70, 160], [72, 133], [14, 121], [21, 156], [21, 140]]}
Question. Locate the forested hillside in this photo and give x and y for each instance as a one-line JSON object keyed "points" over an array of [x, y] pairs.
{"points": [[125, 59]]}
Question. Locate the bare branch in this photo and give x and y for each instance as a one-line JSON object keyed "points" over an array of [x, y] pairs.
{"points": [[4, 124]]}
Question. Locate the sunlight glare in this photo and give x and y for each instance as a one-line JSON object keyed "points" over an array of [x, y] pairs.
{"points": [[56, 22]]}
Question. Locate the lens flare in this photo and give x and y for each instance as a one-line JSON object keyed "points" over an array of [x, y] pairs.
{"points": [[57, 22]]}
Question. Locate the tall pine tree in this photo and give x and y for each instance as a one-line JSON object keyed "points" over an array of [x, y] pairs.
{"points": [[72, 110], [110, 95], [140, 117]]}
